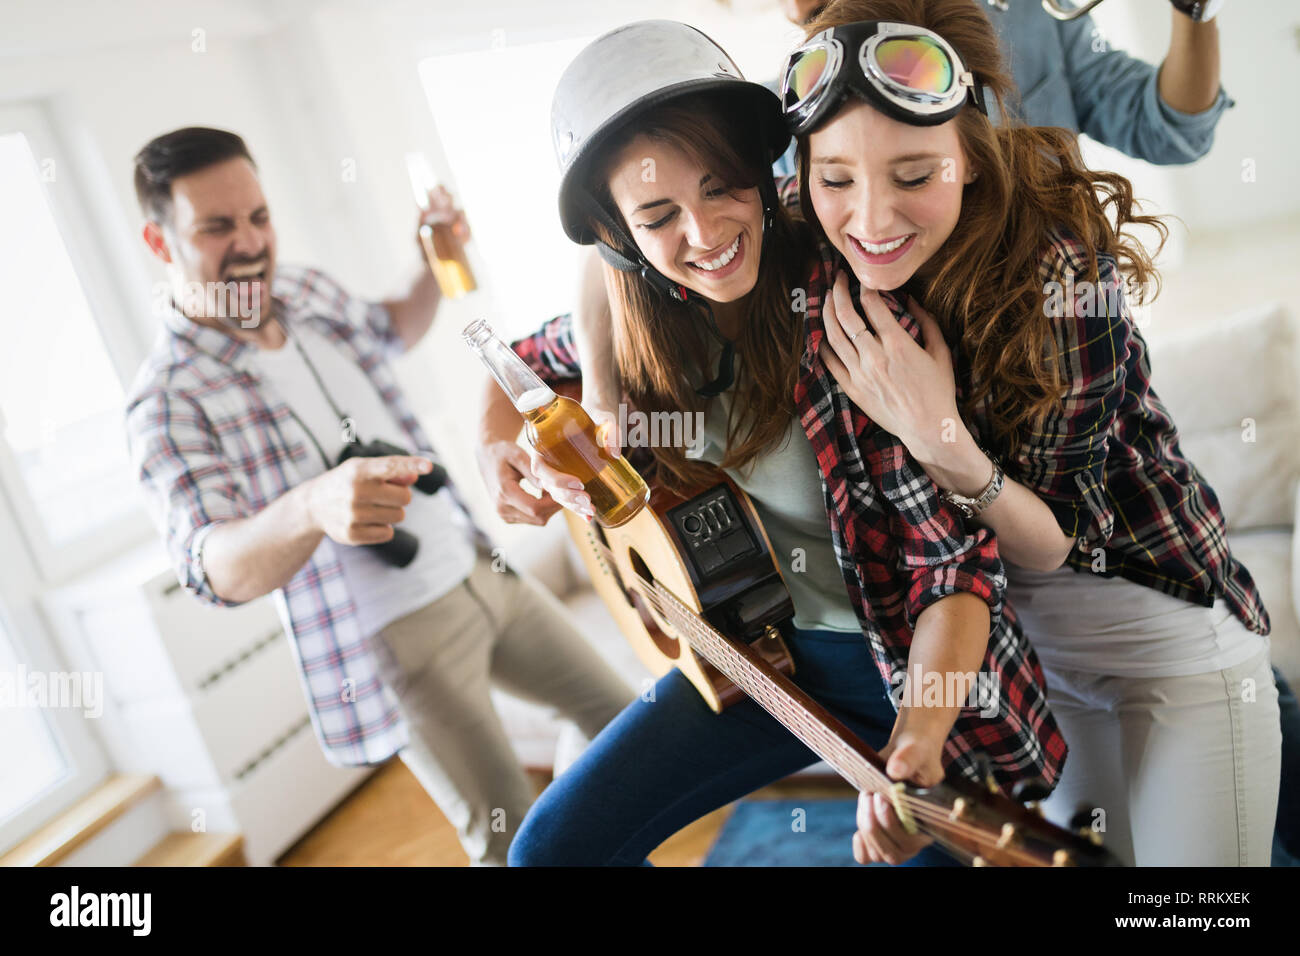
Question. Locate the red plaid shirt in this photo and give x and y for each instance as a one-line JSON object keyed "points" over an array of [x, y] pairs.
{"points": [[900, 549], [1108, 463]]}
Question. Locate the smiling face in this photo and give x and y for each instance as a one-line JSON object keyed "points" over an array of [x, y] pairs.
{"points": [[685, 221], [887, 194], [220, 231]]}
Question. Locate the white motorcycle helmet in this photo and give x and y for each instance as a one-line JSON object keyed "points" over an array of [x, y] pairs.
{"points": [[626, 71], [631, 69]]}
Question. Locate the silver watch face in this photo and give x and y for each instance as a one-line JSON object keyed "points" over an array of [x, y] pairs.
{"points": [[960, 505]]}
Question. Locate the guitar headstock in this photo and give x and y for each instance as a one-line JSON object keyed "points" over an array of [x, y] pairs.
{"points": [[984, 827]]}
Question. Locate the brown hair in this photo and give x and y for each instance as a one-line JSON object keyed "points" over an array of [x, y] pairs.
{"points": [[659, 342], [178, 153], [983, 285]]}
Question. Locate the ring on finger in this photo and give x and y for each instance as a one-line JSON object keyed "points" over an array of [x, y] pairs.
{"points": [[857, 333]]}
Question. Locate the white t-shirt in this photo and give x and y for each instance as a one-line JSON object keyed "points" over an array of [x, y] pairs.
{"points": [[382, 592]]}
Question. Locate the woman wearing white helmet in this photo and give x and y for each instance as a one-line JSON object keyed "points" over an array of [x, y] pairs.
{"points": [[666, 153]]}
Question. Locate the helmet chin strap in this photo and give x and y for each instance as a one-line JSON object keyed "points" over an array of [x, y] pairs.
{"points": [[726, 376]]}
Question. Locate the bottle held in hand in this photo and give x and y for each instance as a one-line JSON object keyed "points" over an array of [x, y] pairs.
{"points": [[445, 253], [562, 432]]}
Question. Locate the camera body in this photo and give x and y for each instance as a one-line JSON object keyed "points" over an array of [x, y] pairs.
{"points": [[400, 550]]}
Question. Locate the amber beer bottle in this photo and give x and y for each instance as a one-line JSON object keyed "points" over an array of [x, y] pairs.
{"points": [[447, 259], [562, 432], [446, 253]]}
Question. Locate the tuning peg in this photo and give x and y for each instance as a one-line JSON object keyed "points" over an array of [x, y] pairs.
{"points": [[959, 809], [1030, 791], [1008, 836], [984, 767]]}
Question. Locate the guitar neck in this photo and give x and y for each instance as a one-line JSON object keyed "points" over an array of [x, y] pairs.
{"points": [[976, 828], [808, 720]]}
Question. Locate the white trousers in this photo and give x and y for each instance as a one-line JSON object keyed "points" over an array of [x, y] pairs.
{"points": [[1173, 771]]}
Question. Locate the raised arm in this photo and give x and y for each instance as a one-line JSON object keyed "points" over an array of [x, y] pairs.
{"points": [[1164, 115], [1189, 77], [593, 336]]}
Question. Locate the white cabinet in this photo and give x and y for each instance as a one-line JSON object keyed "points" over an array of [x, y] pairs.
{"points": [[208, 699]]}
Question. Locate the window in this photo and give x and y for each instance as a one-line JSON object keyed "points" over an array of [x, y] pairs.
{"points": [[498, 144], [31, 760], [63, 459]]}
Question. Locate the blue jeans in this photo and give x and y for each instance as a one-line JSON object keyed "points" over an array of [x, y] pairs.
{"points": [[668, 760]]}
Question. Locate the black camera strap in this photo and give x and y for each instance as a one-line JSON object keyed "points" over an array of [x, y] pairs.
{"points": [[344, 418]]}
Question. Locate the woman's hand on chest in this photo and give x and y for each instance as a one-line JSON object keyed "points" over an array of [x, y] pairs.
{"points": [[906, 387]]}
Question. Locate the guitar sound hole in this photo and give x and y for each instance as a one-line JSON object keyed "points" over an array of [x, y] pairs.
{"points": [[668, 645]]}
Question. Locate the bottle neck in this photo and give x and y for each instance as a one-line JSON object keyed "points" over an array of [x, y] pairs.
{"points": [[525, 390]]}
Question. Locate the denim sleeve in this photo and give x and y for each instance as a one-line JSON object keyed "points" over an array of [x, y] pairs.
{"points": [[1117, 100]]}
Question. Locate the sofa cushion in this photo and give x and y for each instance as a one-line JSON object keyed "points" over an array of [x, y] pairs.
{"points": [[1231, 388]]}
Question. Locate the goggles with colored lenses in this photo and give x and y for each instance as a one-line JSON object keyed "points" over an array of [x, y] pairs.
{"points": [[911, 74]]}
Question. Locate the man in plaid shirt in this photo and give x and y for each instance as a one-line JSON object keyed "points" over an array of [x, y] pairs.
{"points": [[234, 427]]}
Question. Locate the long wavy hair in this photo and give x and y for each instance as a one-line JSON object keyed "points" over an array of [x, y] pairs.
{"points": [[662, 346], [983, 284]]}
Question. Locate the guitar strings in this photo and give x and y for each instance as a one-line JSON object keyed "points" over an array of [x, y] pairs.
{"points": [[872, 779], [937, 818], [877, 781]]}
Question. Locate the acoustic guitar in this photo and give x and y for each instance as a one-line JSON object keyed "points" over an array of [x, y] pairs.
{"points": [[692, 584]]}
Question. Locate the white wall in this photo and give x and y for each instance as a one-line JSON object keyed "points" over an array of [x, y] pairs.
{"points": [[313, 86]]}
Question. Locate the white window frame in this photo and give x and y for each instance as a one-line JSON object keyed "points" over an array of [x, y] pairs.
{"points": [[26, 629], [57, 563]]}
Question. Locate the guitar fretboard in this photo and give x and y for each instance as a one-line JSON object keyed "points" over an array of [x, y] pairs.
{"points": [[772, 691]]}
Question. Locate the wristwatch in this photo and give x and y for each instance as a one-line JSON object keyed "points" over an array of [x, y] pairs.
{"points": [[1199, 10], [971, 507]]}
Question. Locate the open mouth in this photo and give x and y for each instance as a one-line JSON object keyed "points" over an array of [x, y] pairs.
{"points": [[725, 262], [879, 253], [249, 271]]}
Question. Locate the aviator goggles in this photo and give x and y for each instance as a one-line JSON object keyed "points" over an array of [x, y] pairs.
{"points": [[911, 74]]}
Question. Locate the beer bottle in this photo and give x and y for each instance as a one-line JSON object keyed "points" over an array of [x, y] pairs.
{"points": [[446, 253], [562, 432]]}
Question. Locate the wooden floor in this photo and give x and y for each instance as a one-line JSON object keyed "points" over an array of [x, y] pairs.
{"points": [[390, 821]]}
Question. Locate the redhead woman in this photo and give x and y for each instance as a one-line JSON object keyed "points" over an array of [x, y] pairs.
{"points": [[1027, 400]]}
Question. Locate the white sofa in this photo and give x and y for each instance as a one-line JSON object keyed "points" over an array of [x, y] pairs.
{"points": [[1232, 389]]}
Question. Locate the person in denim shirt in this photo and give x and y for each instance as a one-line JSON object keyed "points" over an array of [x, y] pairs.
{"points": [[1068, 75]]}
